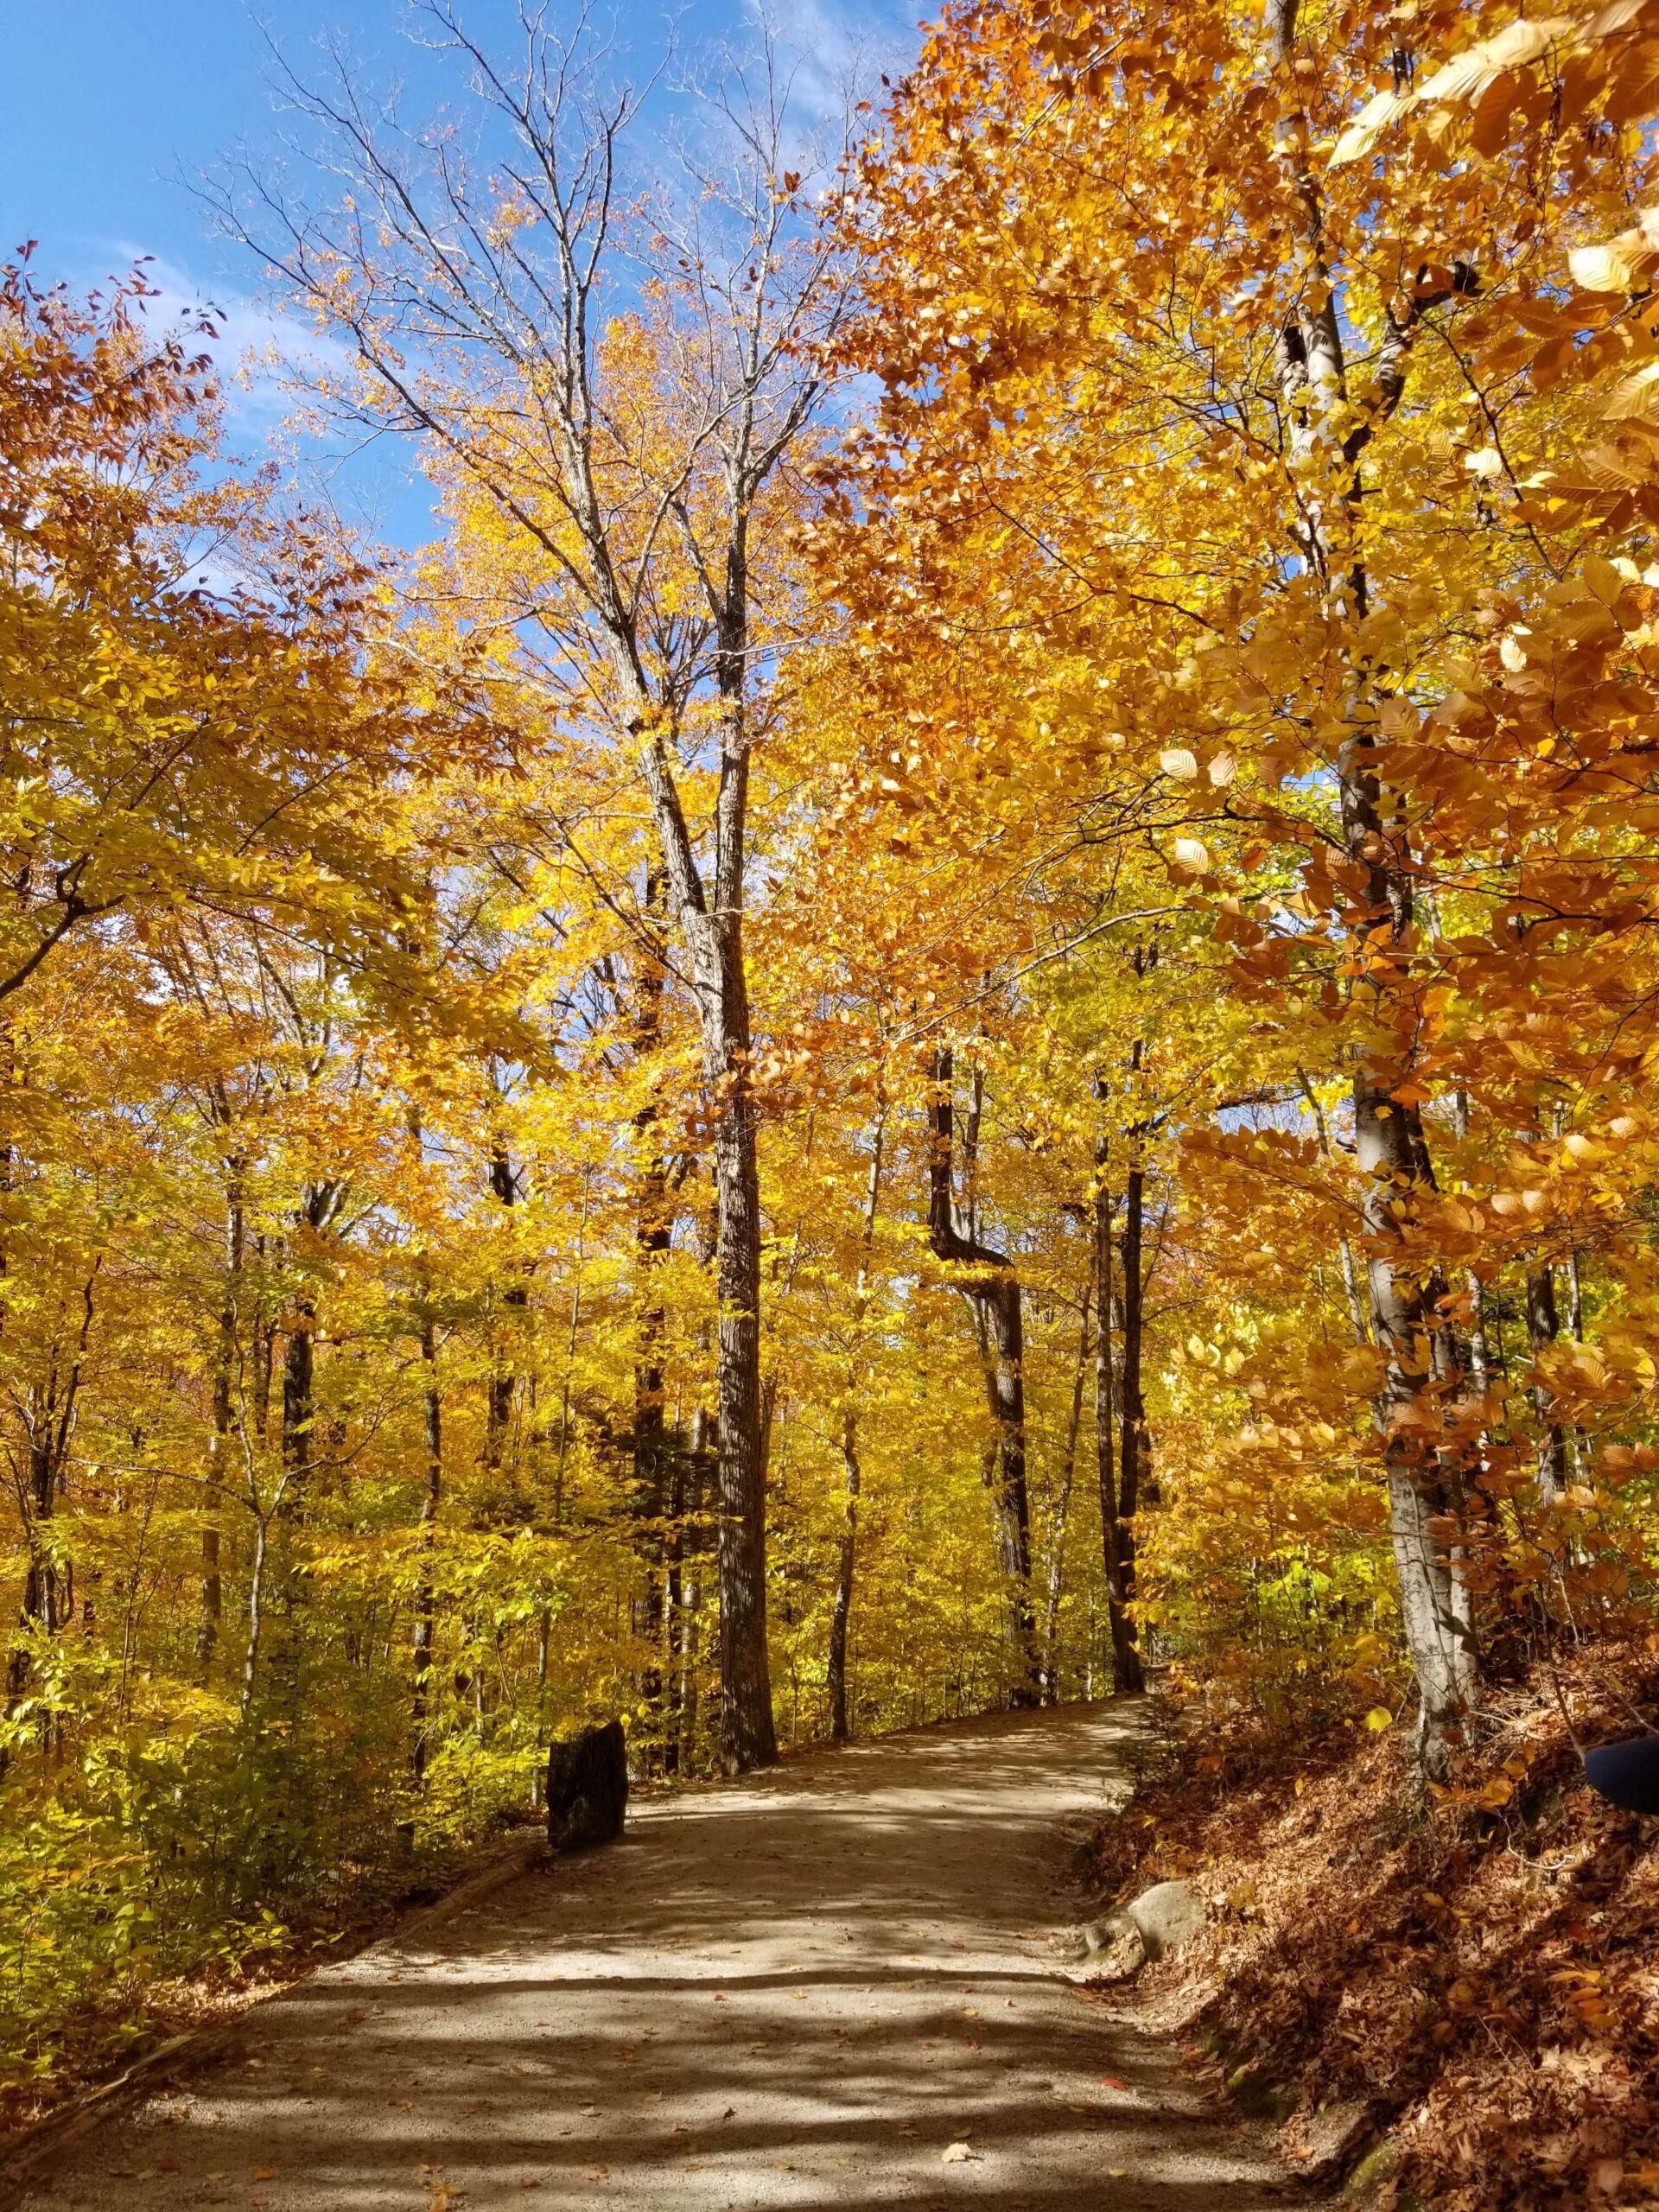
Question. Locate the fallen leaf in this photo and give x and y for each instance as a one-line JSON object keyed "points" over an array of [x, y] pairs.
{"points": [[1111, 2081], [264, 2173]]}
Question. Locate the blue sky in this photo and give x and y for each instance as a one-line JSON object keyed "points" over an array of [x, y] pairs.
{"points": [[111, 103]]}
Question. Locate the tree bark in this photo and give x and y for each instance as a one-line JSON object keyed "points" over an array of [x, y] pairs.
{"points": [[504, 1380], [847, 1557], [1129, 1678], [689, 1650], [49, 1412], [1357, 1326], [1133, 1455], [1389, 1141], [674, 1536], [299, 1365], [1543, 1327], [1051, 1689], [748, 1737], [299, 1407], [841, 1614], [654, 1226], [425, 1602], [223, 1420], [995, 1292]]}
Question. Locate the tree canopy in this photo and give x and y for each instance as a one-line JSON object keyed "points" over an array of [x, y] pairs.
{"points": [[956, 1003]]}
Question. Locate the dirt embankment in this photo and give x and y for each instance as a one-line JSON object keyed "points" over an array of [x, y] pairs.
{"points": [[1463, 1995]]}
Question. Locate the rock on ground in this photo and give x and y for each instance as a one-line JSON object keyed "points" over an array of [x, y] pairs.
{"points": [[1168, 1916]]}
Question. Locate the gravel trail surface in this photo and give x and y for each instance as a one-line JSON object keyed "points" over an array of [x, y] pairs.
{"points": [[842, 1983]]}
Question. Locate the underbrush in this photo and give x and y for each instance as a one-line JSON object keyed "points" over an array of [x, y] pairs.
{"points": [[1473, 1978], [168, 1878]]}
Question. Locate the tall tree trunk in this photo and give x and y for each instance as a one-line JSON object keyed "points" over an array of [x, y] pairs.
{"points": [[264, 1340], [652, 1476], [995, 1292], [40, 1606], [847, 1557], [690, 1657], [1543, 1327], [1129, 1678], [747, 1736], [1479, 1353], [225, 1421], [1133, 1448], [299, 1365], [299, 1400], [504, 1380], [1357, 1328], [841, 1614], [425, 1605], [1051, 1681], [674, 1535], [747, 1733], [1389, 1141], [49, 1412]]}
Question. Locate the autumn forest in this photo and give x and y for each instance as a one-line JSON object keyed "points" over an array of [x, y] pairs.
{"points": [[954, 1006]]}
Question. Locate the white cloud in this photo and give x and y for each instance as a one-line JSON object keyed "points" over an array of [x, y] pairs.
{"points": [[265, 359], [836, 43], [261, 353]]}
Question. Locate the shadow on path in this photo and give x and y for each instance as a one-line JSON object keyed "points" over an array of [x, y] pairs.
{"points": [[836, 1985]]}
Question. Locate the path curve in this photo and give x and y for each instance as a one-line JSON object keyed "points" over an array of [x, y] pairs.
{"points": [[796, 1992]]}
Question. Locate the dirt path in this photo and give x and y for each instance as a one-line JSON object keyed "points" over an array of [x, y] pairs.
{"points": [[798, 1992]]}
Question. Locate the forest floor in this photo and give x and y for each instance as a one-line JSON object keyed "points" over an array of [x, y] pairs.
{"points": [[845, 1982], [1470, 1986]]}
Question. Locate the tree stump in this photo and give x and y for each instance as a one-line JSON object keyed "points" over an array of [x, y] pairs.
{"points": [[588, 1788]]}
